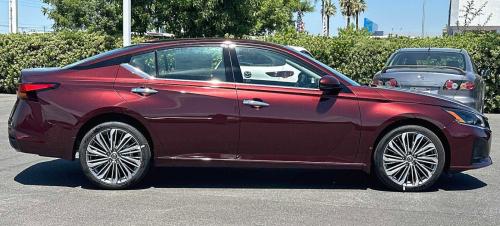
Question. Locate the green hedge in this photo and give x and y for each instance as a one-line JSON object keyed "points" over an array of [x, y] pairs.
{"points": [[19, 51], [355, 55], [361, 57]]}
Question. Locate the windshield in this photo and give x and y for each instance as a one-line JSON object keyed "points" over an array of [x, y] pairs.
{"points": [[344, 77], [428, 58]]}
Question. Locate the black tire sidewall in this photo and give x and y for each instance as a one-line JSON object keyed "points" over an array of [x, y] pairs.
{"points": [[379, 151], [146, 154]]}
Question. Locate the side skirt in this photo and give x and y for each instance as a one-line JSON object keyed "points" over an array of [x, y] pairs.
{"points": [[241, 163]]}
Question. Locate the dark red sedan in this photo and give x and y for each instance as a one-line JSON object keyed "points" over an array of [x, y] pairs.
{"points": [[237, 103]]}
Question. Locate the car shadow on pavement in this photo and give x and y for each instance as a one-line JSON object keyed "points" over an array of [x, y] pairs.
{"points": [[68, 174]]}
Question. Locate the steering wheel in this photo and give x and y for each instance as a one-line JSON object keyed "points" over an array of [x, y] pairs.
{"points": [[302, 80]]}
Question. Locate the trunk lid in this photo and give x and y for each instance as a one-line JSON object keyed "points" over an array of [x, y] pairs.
{"points": [[34, 75], [425, 80]]}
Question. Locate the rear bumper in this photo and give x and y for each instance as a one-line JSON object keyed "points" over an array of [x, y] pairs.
{"points": [[29, 132], [463, 98], [467, 100]]}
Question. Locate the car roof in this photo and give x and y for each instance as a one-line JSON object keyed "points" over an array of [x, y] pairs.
{"points": [[450, 50], [168, 42], [147, 46]]}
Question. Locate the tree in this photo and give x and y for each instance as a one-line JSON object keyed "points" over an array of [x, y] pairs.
{"points": [[329, 11], [89, 15], [184, 18], [347, 9], [303, 6], [469, 13], [359, 6]]}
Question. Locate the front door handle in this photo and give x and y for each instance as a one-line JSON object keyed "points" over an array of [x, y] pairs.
{"points": [[143, 91], [255, 103]]}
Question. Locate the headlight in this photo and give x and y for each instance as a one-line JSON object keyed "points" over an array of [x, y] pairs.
{"points": [[466, 117]]}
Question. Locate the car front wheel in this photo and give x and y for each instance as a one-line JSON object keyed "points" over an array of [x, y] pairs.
{"points": [[409, 158], [114, 155]]}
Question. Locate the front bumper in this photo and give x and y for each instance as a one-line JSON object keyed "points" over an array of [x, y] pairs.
{"points": [[470, 147]]}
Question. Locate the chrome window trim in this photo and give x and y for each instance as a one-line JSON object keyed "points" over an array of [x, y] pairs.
{"points": [[136, 71], [144, 75]]}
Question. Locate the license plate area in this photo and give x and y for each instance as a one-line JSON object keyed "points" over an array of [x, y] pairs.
{"points": [[424, 90]]}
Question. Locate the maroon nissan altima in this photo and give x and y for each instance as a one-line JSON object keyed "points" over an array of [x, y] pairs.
{"points": [[237, 103]]}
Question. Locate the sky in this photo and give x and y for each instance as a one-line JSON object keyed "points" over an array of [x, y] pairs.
{"points": [[402, 17], [392, 16]]}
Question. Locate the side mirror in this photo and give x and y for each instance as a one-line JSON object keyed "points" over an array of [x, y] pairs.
{"points": [[329, 84]]}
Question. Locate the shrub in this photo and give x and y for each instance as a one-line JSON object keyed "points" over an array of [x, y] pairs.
{"points": [[19, 51]]}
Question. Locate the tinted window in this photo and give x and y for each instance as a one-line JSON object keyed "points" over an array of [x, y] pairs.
{"points": [[144, 62], [192, 63], [432, 58], [260, 66]]}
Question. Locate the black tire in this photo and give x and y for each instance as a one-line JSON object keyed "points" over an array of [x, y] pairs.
{"points": [[144, 151], [378, 159]]}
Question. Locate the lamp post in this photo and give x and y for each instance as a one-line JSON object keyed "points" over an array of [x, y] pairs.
{"points": [[12, 16], [423, 18], [127, 21]]}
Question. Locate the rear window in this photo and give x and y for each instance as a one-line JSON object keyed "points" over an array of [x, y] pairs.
{"points": [[431, 58]]}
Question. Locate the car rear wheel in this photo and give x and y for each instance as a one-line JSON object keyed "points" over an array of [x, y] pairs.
{"points": [[409, 158], [114, 155]]}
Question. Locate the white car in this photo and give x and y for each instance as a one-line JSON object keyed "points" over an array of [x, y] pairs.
{"points": [[269, 67]]}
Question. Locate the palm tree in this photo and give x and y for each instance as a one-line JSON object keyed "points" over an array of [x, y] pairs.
{"points": [[359, 6], [329, 10], [347, 9], [302, 7]]}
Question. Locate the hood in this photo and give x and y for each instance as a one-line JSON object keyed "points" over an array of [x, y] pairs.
{"points": [[402, 95]]}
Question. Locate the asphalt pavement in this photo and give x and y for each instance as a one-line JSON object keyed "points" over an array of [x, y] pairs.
{"points": [[37, 190]]}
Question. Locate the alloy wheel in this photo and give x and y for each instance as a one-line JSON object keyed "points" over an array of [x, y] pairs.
{"points": [[114, 156], [410, 159]]}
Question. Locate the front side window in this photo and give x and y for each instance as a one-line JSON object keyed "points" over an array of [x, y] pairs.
{"points": [[265, 67], [192, 63]]}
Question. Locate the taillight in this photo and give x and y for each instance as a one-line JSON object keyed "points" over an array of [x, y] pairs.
{"points": [[25, 89], [455, 85], [467, 85], [391, 82], [376, 82]]}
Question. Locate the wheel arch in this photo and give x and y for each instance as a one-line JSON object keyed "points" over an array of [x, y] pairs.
{"points": [[417, 121], [116, 116]]}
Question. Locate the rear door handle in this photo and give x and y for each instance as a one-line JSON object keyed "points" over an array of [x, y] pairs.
{"points": [[143, 91], [255, 103]]}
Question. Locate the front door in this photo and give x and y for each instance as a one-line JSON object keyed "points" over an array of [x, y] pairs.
{"points": [[285, 117]]}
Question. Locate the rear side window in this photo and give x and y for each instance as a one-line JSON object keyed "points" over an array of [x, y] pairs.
{"points": [[201, 63], [145, 62]]}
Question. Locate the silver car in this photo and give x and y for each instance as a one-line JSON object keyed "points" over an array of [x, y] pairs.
{"points": [[442, 71]]}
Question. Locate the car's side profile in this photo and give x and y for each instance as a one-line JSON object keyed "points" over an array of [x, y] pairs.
{"points": [[189, 103]]}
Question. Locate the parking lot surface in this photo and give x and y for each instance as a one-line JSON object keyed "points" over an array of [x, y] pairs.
{"points": [[38, 190]]}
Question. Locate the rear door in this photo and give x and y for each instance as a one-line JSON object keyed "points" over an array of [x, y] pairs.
{"points": [[190, 104]]}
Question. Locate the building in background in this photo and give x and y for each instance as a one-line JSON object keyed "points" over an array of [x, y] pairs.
{"points": [[489, 20], [372, 27]]}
